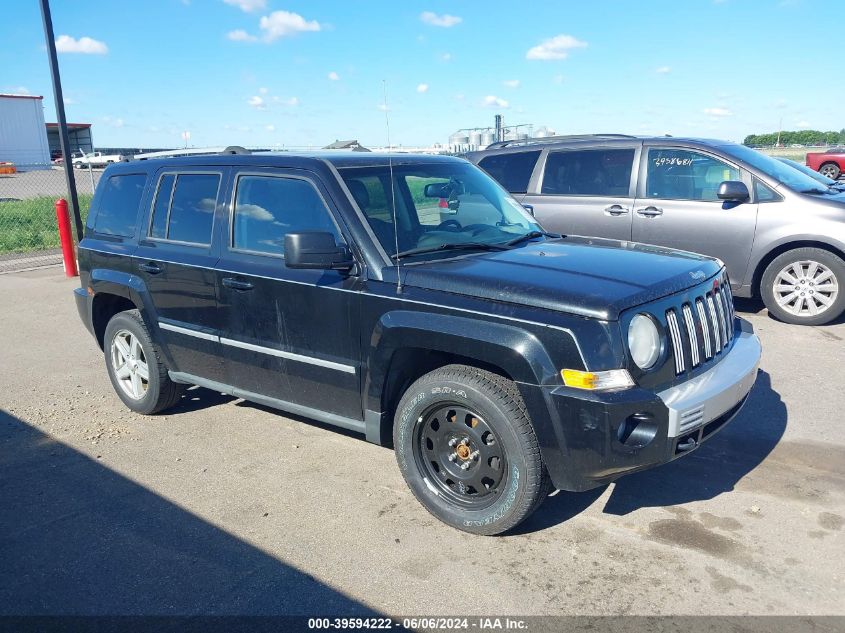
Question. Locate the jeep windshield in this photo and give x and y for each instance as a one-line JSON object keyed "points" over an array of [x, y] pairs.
{"points": [[439, 209], [777, 170]]}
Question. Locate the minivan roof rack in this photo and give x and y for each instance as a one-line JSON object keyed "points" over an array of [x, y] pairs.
{"points": [[553, 139]]}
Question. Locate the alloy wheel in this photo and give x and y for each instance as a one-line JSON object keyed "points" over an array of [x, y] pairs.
{"points": [[129, 362], [805, 288]]}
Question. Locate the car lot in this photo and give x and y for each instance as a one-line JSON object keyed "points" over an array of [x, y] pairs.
{"points": [[224, 507]]}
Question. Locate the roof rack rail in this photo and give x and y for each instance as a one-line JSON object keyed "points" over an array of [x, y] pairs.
{"points": [[554, 139], [236, 149]]}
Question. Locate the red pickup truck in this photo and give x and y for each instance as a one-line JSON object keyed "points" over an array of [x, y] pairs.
{"points": [[830, 163]]}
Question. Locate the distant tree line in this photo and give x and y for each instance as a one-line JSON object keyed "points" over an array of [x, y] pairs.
{"points": [[801, 137]]}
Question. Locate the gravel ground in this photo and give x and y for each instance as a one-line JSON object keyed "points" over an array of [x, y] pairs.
{"points": [[224, 507]]}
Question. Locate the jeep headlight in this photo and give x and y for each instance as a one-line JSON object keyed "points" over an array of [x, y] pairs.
{"points": [[644, 341]]}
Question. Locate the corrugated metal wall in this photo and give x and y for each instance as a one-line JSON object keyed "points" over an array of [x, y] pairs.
{"points": [[23, 135]]}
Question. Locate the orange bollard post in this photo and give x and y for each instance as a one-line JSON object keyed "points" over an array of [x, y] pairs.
{"points": [[66, 238]]}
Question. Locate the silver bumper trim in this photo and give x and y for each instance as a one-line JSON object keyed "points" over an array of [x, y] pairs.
{"points": [[706, 397]]}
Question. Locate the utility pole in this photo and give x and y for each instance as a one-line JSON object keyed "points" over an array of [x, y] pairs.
{"points": [[60, 115]]}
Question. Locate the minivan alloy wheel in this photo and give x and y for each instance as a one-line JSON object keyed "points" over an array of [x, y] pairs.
{"points": [[130, 364], [805, 288]]}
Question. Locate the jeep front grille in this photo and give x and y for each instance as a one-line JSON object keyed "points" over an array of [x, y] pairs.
{"points": [[701, 329]]}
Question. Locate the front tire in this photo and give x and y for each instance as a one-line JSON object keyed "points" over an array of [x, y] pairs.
{"points": [[804, 286], [467, 450], [134, 366]]}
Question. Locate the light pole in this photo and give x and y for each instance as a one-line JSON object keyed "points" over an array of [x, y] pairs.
{"points": [[60, 115]]}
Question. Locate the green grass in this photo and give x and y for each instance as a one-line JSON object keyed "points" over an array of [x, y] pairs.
{"points": [[30, 225]]}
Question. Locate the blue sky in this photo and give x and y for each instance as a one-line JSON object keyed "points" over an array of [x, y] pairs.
{"points": [[291, 72]]}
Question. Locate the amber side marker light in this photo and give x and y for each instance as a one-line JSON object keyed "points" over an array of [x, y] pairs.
{"points": [[597, 380]]}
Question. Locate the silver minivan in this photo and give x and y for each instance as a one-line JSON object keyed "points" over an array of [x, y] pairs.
{"points": [[780, 233]]}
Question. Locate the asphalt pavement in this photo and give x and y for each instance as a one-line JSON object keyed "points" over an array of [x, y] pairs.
{"points": [[224, 507]]}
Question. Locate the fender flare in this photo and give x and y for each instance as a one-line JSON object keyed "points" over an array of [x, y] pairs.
{"points": [[511, 348]]}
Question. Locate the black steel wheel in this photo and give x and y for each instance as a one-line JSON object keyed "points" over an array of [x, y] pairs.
{"points": [[467, 449], [461, 454]]}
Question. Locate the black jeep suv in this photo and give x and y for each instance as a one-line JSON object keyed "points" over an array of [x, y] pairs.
{"points": [[411, 299]]}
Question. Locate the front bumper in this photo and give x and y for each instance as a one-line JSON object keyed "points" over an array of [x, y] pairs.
{"points": [[594, 438]]}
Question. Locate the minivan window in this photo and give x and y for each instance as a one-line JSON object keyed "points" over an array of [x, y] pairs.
{"points": [[763, 193], [682, 174], [118, 208], [187, 213], [512, 170], [589, 172], [267, 208]]}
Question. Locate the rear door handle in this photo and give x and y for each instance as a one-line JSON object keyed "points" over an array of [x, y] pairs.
{"points": [[150, 267], [650, 212], [237, 284], [616, 210]]}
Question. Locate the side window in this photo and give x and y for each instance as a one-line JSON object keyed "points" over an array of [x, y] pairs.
{"points": [[118, 208], [764, 194], [592, 172], [184, 207], [680, 174], [268, 208], [512, 170]]}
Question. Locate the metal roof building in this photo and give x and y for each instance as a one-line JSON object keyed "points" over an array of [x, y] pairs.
{"points": [[23, 135]]}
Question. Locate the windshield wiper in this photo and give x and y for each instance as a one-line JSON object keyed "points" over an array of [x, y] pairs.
{"points": [[814, 191], [450, 246], [530, 236]]}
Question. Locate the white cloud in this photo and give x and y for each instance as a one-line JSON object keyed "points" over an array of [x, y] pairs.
{"points": [[717, 112], [663, 70], [257, 102], [18, 90], [383, 107], [804, 124], [492, 101], [446, 57], [511, 83], [270, 127], [290, 101], [84, 45], [445, 20], [558, 79], [422, 88], [248, 6], [239, 35], [557, 47], [333, 76], [113, 122], [263, 91], [284, 23], [69, 101]]}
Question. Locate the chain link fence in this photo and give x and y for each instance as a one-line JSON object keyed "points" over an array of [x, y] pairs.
{"points": [[29, 235]]}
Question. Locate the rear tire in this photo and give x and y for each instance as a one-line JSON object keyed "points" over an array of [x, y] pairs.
{"points": [[134, 365], [805, 286], [831, 170], [467, 450]]}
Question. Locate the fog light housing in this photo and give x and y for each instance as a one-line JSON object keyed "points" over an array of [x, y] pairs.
{"points": [[637, 430]]}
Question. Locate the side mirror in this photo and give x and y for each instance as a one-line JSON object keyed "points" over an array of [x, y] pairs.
{"points": [[316, 250], [436, 190], [733, 191]]}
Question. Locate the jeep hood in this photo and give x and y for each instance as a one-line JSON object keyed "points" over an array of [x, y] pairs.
{"points": [[591, 277]]}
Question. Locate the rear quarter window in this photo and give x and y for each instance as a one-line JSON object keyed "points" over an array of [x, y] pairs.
{"points": [[117, 211], [512, 170]]}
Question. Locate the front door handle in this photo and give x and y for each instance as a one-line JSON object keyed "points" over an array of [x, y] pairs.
{"points": [[615, 210], [150, 267], [650, 212], [237, 284]]}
